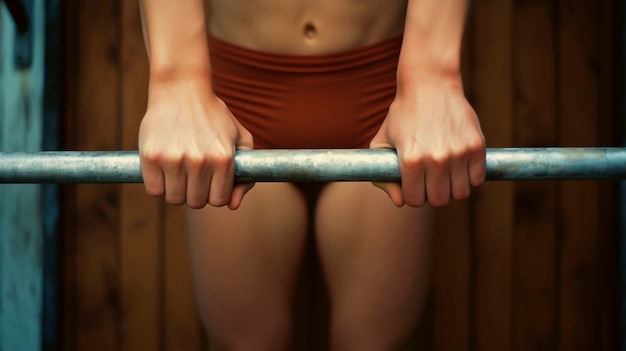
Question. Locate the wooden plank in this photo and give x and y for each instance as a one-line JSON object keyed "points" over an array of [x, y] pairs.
{"points": [[67, 227], [578, 96], [491, 95], [609, 100], [534, 124], [95, 289], [451, 277], [182, 326], [140, 248]]}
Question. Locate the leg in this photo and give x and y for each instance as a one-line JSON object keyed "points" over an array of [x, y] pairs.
{"points": [[376, 259], [245, 264]]}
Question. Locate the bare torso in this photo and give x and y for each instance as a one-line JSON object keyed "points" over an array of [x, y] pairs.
{"points": [[306, 27]]}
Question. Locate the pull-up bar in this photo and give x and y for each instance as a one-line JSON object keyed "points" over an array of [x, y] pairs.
{"points": [[314, 165]]}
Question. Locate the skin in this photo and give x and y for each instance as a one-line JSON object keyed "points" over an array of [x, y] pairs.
{"points": [[375, 253]]}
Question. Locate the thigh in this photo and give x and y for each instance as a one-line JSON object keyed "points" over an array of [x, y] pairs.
{"points": [[376, 259], [245, 263]]}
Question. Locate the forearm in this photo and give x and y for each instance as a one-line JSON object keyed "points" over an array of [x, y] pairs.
{"points": [[431, 49], [175, 34]]}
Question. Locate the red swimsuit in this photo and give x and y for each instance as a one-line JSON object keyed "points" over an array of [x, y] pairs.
{"points": [[321, 101]]}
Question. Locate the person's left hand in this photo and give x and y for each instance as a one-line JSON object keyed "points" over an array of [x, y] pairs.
{"points": [[440, 146]]}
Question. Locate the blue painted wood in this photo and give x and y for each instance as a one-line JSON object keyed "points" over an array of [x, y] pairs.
{"points": [[21, 237]]}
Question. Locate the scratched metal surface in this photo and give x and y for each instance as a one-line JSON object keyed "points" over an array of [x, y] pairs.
{"points": [[315, 165]]}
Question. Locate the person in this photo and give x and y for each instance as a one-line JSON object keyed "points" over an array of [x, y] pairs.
{"points": [[308, 74]]}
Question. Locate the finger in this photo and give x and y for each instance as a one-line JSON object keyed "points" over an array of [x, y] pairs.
{"points": [[222, 180], [175, 185], [152, 178], [412, 170], [438, 183], [459, 179], [380, 141], [245, 141], [239, 191], [198, 183], [477, 169], [393, 190]]}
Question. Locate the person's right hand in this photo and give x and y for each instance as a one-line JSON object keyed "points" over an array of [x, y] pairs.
{"points": [[187, 144]]}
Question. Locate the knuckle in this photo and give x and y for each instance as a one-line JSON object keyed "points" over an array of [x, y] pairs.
{"points": [[476, 145], [440, 162], [440, 157], [151, 156], [195, 161], [171, 158], [222, 159], [413, 162]]}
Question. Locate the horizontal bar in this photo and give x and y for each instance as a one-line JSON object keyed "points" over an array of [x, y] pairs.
{"points": [[314, 165]]}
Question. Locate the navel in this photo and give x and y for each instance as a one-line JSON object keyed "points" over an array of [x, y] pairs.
{"points": [[309, 30]]}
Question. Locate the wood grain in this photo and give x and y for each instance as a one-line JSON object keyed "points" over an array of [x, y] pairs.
{"points": [[141, 256], [451, 277], [578, 97], [536, 207], [97, 99], [491, 94], [518, 266]]}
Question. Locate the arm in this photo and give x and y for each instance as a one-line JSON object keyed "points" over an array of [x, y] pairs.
{"points": [[430, 123], [188, 137], [175, 37]]}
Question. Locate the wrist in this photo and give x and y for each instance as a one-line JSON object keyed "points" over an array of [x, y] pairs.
{"points": [[177, 62], [186, 71], [164, 87], [420, 77], [183, 58]]}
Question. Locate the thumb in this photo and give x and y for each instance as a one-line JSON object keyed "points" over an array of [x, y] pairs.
{"points": [[393, 189], [239, 191], [245, 142], [381, 139]]}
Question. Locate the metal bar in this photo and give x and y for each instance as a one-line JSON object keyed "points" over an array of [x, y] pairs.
{"points": [[314, 165]]}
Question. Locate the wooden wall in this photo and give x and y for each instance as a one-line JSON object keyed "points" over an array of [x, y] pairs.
{"points": [[519, 266]]}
